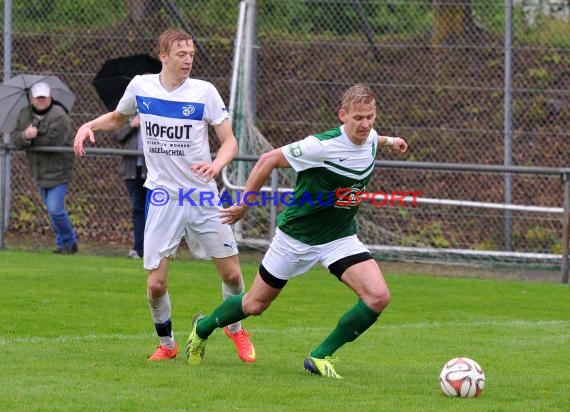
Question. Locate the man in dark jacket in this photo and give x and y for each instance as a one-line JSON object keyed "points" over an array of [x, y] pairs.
{"points": [[133, 170], [44, 123]]}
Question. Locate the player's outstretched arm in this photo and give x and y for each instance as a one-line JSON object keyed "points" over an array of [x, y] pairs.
{"points": [[259, 174], [395, 144], [106, 122]]}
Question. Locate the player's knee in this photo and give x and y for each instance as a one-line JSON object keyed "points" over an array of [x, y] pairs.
{"points": [[384, 299], [378, 300], [232, 277], [156, 287], [253, 307], [230, 274]]}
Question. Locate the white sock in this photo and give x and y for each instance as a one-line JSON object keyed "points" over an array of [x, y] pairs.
{"points": [[167, 341], [230, 290], [160, 310]]}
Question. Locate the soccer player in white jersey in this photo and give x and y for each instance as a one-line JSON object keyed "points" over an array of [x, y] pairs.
{"points": [[315, 231], [175, 112]]}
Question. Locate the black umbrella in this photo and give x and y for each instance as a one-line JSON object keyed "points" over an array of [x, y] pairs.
{"points": [[115, 75]]}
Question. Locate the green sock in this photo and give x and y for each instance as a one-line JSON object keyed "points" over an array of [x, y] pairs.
{"points": [[227, 313], [352, 324]]}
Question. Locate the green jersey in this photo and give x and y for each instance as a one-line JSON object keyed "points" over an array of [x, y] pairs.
{"points": [[331, 171]]}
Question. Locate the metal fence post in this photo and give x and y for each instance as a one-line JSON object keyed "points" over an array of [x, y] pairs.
{"points": [[508, 121], [5, 167], [3, 193], [565, 225]]}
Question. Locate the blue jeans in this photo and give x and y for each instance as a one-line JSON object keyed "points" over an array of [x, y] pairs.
{"points": [[54, 199], [137, 196]]}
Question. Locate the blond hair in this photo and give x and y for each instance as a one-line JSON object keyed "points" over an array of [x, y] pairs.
{"points": [[357, 95], [169, 37]]}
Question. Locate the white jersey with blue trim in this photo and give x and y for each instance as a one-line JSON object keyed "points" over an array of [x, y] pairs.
{"points": [[174, 128]]}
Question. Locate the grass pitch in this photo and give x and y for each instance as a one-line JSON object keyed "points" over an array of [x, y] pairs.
{"points": [[75, 332]]}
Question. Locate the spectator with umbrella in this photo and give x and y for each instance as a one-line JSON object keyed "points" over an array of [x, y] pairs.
{"points": [[42, 124]]}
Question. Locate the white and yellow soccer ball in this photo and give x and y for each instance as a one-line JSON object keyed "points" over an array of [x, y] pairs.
{"points": [[462, 377]]}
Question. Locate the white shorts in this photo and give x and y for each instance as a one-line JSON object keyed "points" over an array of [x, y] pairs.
{"points": [[200, 226], [287, 257]]}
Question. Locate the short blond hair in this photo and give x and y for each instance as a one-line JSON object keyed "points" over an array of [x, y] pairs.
{"points": [[357, 95], [169, 37]]}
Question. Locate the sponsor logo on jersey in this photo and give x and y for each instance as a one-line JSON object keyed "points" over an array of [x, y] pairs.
{"points": [[170, 109], [170, 132], [188, 110], [295, 149], [169, 152]]}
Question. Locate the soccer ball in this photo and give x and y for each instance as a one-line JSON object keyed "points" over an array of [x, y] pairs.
{"points": [[462, 378]]}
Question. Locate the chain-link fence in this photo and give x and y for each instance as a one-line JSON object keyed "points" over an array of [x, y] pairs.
{"points": [[73, 40], [437, 67], [439, 71]]}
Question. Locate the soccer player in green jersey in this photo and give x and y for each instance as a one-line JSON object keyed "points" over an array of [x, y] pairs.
{"points": [[339, 163]]}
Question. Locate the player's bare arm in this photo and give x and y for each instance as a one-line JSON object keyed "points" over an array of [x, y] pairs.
{"points": [[259, 174], [104, 123], [395, 144], [228, 150]]}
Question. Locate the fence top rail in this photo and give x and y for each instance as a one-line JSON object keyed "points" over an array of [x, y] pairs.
{"points": [[472, 167], [394, 164]]}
